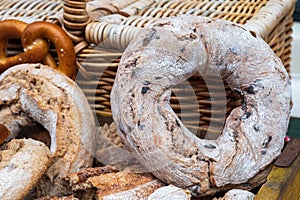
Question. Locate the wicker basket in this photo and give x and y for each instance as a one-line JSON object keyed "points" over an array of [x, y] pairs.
{"points": [[101, 30]]}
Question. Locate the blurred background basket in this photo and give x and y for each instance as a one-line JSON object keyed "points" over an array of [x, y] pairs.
{"points": [[101, 31]]}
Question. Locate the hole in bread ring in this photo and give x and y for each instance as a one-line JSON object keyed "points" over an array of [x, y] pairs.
{"points": [[36, 132], [253, 134]]}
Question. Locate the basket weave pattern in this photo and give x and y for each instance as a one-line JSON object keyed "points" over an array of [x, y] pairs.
{"points": [[101, 30]]}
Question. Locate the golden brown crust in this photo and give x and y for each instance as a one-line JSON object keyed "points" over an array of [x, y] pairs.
{"points": [[120, 181], [108, 183], [34, 54], [84, 174], [70, 197], [141, 192], [60, 39]]}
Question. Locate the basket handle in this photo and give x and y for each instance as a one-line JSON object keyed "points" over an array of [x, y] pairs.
{"points": [[262, 23], [265, 20], [75, 18]]}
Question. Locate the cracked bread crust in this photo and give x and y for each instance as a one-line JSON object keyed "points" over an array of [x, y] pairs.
{"points": [[170, 52], [35, 93], [22, 164]]}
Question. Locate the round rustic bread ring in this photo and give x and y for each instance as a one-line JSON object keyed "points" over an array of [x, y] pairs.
{"points": [[170, 52], [35, 93], [17, 175], [62, 42], [34, 52]]}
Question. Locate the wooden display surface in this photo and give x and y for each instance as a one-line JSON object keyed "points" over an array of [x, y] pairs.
{"points": [[284, 181]]}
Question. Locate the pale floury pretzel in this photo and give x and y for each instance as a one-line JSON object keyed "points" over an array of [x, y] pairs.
{"points": [[170, 52]]}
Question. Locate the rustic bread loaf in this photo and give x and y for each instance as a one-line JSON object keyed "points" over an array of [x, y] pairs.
{"points": [[22, 164], [37, 94], [111, 184], [173, 50]]}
